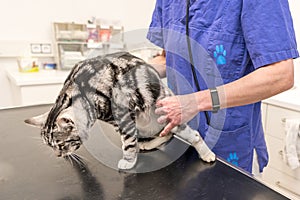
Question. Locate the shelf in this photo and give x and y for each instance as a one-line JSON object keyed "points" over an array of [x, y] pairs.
{"points": [[93, 44], [67, 40], [70, 42]]}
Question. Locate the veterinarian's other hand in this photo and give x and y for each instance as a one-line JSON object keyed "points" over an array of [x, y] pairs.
{"points": [[176, 110]]}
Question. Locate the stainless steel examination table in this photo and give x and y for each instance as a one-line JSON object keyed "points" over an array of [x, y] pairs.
{"points": [[30, 171]]}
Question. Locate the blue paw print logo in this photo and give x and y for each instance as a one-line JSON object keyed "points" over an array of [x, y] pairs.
{"points": [[233, 158], [220, 54]]}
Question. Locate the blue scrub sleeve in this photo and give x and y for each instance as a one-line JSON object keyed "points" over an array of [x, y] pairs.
{"points": [[155, 32], [268, 31]]}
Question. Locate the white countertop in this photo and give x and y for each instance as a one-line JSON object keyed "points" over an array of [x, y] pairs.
{"points": [[289, 99], [43, 77]]}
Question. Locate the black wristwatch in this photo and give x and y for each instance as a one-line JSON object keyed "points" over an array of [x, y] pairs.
{"points": [[215, 100]]}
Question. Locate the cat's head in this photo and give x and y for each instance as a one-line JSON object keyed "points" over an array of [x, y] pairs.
{"points": [[61, 133]]}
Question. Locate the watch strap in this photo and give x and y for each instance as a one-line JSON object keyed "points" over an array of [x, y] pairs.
{"points": [[215, 100]]}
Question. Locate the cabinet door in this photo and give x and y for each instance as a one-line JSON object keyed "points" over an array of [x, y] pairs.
{"points": [[39, 94], [282, 183], [278, 173], [275, 116], [276, 160]]}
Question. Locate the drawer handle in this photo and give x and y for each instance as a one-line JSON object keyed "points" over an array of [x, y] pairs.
{"points": [[281, 154], [280, 185]]}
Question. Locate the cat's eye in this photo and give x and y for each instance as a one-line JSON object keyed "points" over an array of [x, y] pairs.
{"points": [[66, 120], [73, 143]]}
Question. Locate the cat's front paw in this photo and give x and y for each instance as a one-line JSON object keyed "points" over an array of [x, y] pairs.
{"points": [[204, 152], [209, 157], [125, 164]]}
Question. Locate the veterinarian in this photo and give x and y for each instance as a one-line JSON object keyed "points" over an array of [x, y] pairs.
{"points": [[250, 46]]}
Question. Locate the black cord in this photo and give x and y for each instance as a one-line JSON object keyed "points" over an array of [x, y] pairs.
{"points": [[187, 32]]}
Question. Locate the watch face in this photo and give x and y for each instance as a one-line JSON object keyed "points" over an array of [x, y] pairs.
{"points": [[215, 100]]}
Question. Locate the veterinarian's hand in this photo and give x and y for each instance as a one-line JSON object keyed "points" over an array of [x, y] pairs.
{"points": [[176, 110]]}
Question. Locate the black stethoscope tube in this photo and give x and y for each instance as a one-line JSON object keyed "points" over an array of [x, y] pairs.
{"points": [[191, 55]]}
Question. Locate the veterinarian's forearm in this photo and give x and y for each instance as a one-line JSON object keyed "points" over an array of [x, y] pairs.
{"points": [[256, 86], [159, 63], [161, 69]]}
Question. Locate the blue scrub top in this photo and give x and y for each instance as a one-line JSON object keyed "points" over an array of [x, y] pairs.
{"points": [[229, 40]]}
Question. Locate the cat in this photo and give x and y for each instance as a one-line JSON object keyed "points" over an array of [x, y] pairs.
{"points": [[117, 88]]}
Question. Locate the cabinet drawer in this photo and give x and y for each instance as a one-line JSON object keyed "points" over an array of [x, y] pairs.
{"points": [[274, 124], [275, 149], [282, 183]]}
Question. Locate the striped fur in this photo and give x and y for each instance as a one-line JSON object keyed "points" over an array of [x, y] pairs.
{"points": [[120, 89]]}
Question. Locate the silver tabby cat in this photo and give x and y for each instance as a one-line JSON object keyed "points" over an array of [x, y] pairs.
{"points": [[120, 89]]}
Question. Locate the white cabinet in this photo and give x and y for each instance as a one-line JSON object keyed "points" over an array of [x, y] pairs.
{"points": [[35, 88], [275, 117], [278, 174]]}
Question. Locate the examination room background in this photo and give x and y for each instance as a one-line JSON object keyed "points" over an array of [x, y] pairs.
{"points": [[30, 21]]}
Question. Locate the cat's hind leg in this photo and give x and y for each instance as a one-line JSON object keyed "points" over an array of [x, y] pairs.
{"points": [[154, 143], [193, 137]]}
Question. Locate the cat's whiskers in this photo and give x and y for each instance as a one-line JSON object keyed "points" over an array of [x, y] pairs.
{"points": [[77, 159], [81, 157], [69, 159]]}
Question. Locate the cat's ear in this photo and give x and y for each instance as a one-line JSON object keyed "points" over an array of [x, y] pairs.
{"points": [[37, 121]]}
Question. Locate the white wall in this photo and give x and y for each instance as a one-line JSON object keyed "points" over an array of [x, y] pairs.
{"points": [[31, 19], [28, 21]]}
